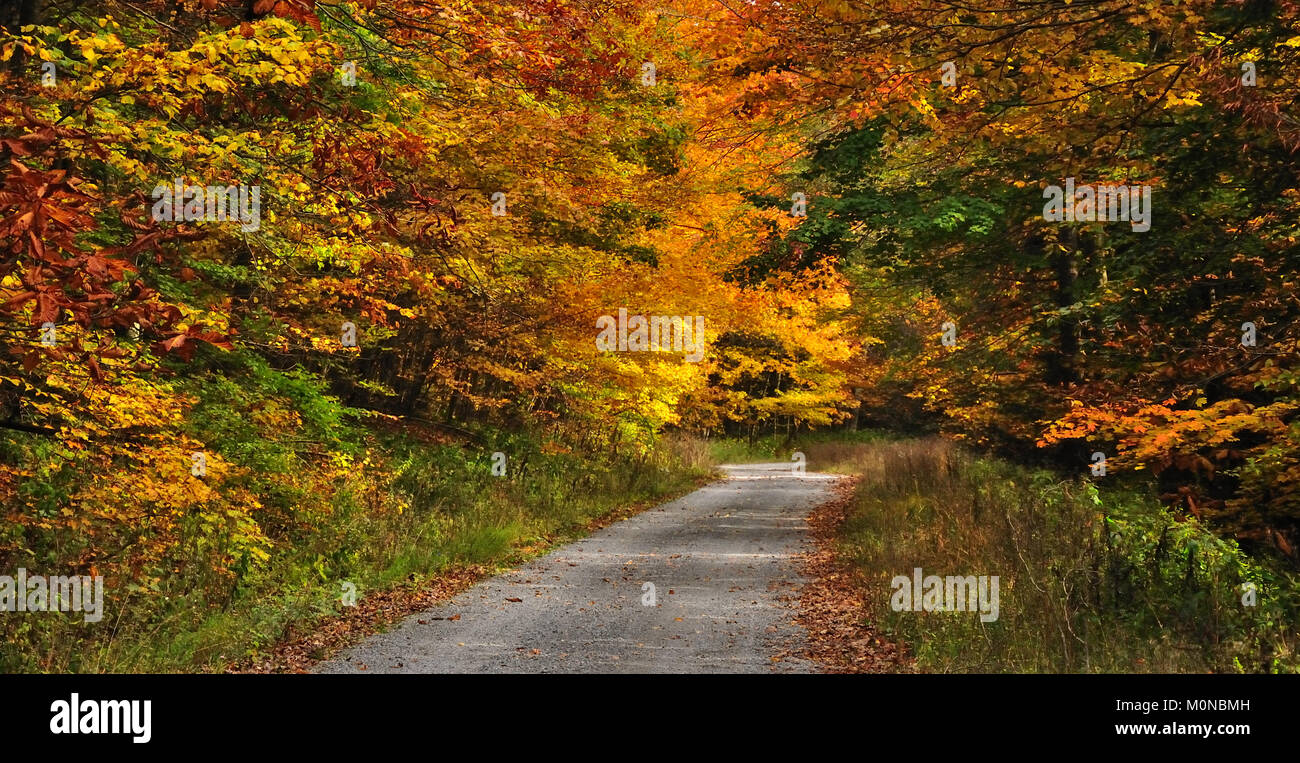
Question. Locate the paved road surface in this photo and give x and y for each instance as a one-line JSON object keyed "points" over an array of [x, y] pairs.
{"points": [[721, 561]]}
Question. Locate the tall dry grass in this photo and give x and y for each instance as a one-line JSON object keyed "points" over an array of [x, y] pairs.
{"points": [[1090, 580]]}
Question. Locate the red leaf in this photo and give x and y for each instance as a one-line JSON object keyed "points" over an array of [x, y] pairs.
{"points": [[47, 308]]}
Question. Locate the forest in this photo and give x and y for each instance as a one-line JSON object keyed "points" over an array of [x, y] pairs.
{"points": [[297, 294]]}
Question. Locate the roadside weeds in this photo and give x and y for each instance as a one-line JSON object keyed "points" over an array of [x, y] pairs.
{"points": [[832, 605]]}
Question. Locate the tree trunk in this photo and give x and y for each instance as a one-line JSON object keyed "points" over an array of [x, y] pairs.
{"points": [[1061, 368]]}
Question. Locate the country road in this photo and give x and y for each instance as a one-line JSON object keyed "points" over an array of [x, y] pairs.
{"points": [[722, 564]]}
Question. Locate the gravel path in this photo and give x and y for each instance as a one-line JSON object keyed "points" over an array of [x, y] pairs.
{"points": [[721, 561]]}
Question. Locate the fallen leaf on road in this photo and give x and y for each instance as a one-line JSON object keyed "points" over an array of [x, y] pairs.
{"points": [[833, 607]]}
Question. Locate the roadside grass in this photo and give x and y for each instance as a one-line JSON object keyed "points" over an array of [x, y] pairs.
{"points": [[1091, 579]]}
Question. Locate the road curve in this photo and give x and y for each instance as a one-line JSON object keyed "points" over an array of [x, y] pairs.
{"points": [[722, 564]]}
